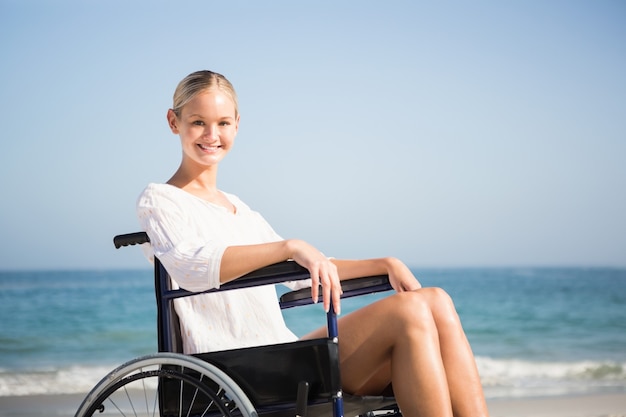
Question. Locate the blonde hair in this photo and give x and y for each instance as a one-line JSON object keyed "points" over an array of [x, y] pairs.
{"points": [[198, 82]]}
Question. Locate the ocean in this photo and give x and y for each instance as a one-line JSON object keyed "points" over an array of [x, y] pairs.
{"points": [[534, 331]]}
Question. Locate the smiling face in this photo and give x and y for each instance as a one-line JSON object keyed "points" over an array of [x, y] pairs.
{"points": [[207, 125]]}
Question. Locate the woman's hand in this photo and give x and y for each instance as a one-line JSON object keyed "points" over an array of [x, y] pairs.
{"points": [[323, 272], [400, 276]]}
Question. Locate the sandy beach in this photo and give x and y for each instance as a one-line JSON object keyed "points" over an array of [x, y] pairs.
{"points": [[599, 405], [40, 405]]}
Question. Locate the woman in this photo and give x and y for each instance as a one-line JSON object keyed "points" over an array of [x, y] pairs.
{"points": [[205, 237]]}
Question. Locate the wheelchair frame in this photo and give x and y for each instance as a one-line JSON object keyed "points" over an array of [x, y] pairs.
{"points": [[236, 386]]}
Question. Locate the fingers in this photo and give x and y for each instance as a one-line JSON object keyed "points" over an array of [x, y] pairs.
{"points": [[333, 290], [336, 296], [412, 285], [406, 283], [323, 273], [315, 283], [401, 277], [326, 276], [326, 292]]}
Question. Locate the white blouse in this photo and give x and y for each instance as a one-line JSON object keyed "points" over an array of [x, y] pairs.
{"points": [[189, 236]]}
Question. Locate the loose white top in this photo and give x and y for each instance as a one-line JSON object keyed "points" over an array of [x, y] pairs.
{"points": [[189, 236]]}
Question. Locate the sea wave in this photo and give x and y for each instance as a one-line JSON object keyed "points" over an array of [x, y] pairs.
{"points": [[523, 378], [67, 380], [501, 378]]}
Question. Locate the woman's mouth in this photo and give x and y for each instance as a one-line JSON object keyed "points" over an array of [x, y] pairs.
{"points": [[208, 148]]}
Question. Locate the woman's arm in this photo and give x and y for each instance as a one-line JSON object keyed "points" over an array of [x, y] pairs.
{"points": [[400, 276], [239, 260]]}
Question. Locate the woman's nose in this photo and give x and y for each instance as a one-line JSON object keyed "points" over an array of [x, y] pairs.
{"points": [[211, 132]]}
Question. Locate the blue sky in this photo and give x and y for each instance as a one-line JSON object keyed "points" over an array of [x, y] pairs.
{"points": [[445, 133]]}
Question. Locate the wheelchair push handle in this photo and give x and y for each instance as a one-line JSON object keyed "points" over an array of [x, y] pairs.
{"points": [[130, 239]]}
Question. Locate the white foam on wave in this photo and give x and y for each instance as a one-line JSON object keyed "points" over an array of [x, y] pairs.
{"points": [[500, 377], [520, 378], [69, 380]]}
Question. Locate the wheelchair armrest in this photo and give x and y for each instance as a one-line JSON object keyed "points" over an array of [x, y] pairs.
{"points": [[351, 288], [273, 274]]}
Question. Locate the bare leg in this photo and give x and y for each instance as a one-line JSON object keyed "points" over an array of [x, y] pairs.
{"points": [[463, 380], [415, 341]]}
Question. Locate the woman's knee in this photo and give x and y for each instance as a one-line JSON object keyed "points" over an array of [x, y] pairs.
{"points": [[438, 297], [441, 306], [422, 307], [412, 309]]}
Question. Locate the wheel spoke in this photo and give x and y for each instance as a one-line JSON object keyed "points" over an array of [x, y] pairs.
{"points": [[193, 399], [180, 399], [115, 405], [145, 394], [130, 401]]}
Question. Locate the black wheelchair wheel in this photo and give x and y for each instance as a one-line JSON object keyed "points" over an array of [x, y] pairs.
{"points": [[167, 385]]}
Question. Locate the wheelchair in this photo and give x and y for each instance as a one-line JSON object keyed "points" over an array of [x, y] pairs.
{"points": [[300, 378]]}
